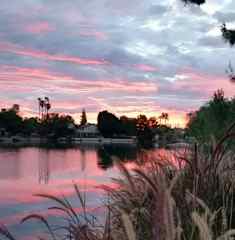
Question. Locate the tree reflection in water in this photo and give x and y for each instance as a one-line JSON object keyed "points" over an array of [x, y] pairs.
{"points": [[107, 154]]}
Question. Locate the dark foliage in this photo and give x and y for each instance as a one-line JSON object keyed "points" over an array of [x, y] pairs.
{"points": [[145, 133], [108, 124], [129, 125], [228, 34], [212, 119], [198, 2], [142, 127], [83, 118], [230, 72], [31, 125], [56, 126], [11, 121]]}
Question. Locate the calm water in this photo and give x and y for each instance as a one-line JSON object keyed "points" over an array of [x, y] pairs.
{"points": [[25, 172]]}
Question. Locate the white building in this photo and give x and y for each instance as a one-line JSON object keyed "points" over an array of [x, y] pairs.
{"points": [[88, 131]]}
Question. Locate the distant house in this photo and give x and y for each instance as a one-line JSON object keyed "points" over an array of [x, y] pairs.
{"points": [[88, 131]]}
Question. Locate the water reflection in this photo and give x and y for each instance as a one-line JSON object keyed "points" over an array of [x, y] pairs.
{"points": [[40, 164], [28, 171], [43, 167], [107, 155]]}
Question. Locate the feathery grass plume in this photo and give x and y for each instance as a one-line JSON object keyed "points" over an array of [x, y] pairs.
{"points": [[41, 219], [131, 234], [227, 235], [204, 231], [79, 226]]}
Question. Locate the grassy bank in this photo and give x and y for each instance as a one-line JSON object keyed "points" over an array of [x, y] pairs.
{"points": [[187, 195]]}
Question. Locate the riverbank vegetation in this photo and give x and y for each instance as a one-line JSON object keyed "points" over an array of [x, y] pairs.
{"points": [[212, 119]]}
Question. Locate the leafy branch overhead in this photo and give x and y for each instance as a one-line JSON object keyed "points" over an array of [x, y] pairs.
{"points": [[198, 2], [230, 72], [228, 34]]}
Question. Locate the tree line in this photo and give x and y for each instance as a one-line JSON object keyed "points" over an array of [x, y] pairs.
{"points": [[144, 128], [55, 125], [212, 119]]}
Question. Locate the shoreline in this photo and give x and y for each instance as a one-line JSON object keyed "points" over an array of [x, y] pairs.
{"points": [[37, 141]]}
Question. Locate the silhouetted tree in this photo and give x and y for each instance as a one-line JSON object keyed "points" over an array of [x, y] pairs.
{"points": [[108, 124], [83, 120], [43, 107], [30, 125], [11, 121], [145, 133], [164, 116], [40, 108], [56, 126], [152, 122], [47, 106], [128, 125], [16, 108]]}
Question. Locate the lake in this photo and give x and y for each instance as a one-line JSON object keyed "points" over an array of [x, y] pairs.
{"points": [[27, 171]]}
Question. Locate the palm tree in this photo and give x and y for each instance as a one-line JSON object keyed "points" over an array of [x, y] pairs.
{"points": [[43, 106], [47, 106], [40, 107], [161, 117], [164, 116]]}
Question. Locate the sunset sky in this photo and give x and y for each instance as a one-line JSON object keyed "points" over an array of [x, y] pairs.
{"points": [[128, 57]]}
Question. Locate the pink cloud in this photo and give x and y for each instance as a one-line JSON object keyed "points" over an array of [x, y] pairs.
{"points": [[29, 80], [203, 82], [17, 75], [96, 34], [38, 28], [145, 68], [8, 47]]}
